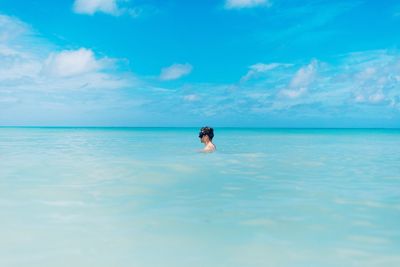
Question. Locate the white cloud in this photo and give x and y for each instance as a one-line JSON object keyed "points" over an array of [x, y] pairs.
{"points": [[347, 89], [359, 98], [11, 27], [260, 68], [366, 74], [238, 4], [92, 6], [298, 86], [16, 63], [175, 71], [304, 76], [376, 98], [30, 63], [358, 84], [191, 98], [71, 62], [293, 93], [111, 7], [43, 84]]}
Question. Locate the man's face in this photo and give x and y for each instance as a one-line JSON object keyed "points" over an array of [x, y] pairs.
{"points": [[204, 138]]}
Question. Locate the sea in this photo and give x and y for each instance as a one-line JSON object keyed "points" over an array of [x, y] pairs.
{"points": [[146, 197]]}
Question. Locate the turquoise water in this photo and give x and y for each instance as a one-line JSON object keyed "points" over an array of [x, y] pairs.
{"points": [[144, 197]]}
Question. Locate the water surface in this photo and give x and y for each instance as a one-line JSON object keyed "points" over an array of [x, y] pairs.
{"points": [[145, 197]]}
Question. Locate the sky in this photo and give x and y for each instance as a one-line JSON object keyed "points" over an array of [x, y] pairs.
{"points": [[238, 63]]}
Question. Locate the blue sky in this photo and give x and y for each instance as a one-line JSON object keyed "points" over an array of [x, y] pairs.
{"points": [[266, 63]]}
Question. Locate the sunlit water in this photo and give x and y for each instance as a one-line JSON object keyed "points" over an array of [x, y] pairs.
{"points": [[146, 198]]}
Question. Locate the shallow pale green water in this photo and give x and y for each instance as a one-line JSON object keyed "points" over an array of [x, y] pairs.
{"points": [[144, 197]]}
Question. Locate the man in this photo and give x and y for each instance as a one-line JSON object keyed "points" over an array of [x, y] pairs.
{"points": [[206, 135]]}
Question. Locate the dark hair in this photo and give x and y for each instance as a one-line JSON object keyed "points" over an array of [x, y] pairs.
{"points": [[207, 131]]}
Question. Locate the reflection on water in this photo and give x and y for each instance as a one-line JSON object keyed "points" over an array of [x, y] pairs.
{"points": [[144, 197]]}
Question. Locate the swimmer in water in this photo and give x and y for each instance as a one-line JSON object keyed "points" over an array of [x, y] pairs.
{"points": [[206, 135]]}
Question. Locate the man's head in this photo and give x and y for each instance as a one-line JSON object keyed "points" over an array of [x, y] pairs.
{"points": [[206, 134]]}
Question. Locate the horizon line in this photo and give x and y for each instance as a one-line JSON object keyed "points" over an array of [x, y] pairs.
{"points": [[232, 127]]}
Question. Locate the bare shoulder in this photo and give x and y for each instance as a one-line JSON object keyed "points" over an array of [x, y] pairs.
{"points": [[210, 148]]}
